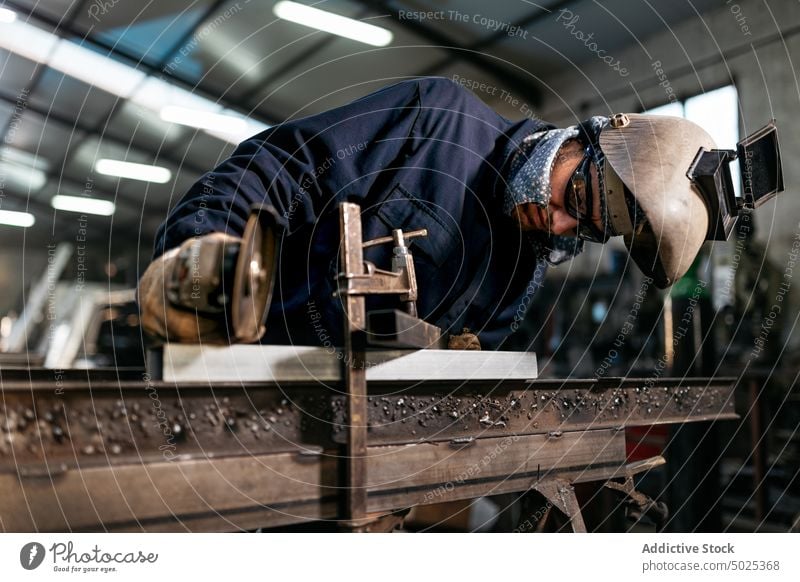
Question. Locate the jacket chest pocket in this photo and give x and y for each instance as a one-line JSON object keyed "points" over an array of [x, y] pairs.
{"points": [[402, 209]]}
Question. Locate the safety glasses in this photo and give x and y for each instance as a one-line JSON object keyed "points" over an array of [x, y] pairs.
{"points": [[579, 201]]}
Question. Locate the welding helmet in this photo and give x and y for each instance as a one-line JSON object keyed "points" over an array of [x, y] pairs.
{"points": [[646, 196]]}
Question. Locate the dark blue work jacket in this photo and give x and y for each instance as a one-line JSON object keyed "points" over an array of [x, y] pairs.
{"points": [[424, 153]]}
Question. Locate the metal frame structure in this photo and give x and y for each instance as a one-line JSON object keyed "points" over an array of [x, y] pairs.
{"points": [[95, 450]]}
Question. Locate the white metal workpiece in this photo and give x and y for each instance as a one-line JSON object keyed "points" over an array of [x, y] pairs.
{"points": [[256, 363]]}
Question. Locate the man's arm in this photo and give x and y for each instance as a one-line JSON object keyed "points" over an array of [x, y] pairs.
{"points": [[300, 168]]}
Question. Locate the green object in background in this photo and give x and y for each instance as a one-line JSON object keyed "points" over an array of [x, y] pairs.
{"points": [[690, 286]]}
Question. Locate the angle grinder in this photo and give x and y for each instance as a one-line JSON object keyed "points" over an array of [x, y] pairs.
{"points": [[231, 279]]}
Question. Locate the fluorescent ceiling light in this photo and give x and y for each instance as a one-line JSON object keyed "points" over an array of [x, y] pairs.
{"points": [[70, 58], [12, 218], [203, 119], [95, 69], [142, 172], [22, 170], [177, 105], [83, 205], [19, 157], [332, 23], [27, 41], [155, 94], [7, 16], [253, 126], [114, 77], [22, 178]]}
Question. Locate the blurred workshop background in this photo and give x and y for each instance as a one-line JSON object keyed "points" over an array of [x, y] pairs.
{"points": [[110, 110]]}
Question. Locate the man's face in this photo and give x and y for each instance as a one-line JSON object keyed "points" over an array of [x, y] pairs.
{"points": [[555, 218]]}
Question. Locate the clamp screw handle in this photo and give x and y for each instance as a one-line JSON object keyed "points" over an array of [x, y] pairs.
{"points": [[387, 239]]}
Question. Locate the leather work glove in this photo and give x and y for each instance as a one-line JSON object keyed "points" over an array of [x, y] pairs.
{"points": [[183, 295], [466, 340]]}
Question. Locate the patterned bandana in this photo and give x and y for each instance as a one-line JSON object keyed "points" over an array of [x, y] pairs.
{"points": [[531, 168], [530, 173]]}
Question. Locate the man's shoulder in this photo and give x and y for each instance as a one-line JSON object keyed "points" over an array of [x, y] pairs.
{"points": [[440, 84], [430, 91], [436, 89]]}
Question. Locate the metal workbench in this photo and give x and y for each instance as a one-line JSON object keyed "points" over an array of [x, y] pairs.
{"points": [[118, 450]]}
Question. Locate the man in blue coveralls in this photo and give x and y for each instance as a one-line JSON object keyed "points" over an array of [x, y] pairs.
{"points": [[500, 200]]}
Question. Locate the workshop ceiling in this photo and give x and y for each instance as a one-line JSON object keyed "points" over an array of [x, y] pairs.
{"points": [[98, 93]]}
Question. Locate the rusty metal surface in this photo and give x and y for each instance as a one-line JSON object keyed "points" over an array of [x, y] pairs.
{"points": [[92, 417], [355, 373], [114, 424], [440, 411], [74, 446], [236, 492], [561, 494], [397, 329]]}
